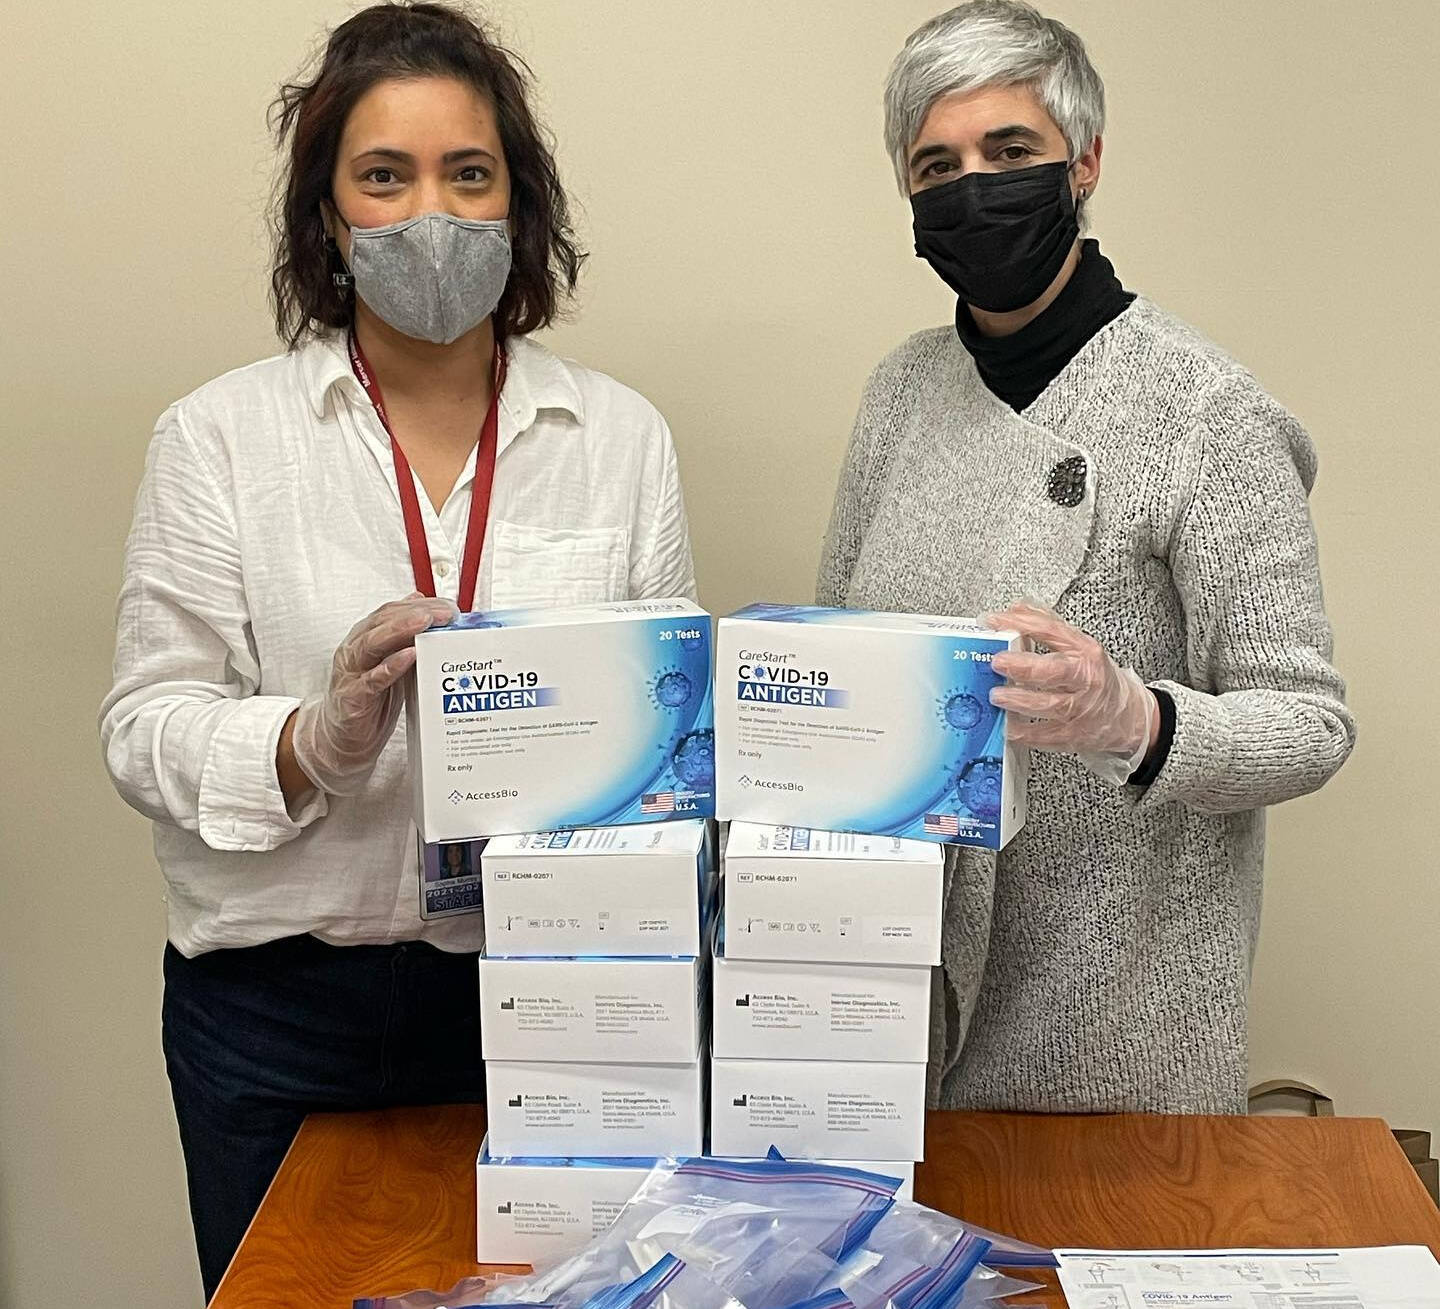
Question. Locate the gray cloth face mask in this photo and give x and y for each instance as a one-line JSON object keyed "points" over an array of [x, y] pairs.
{"points": [[434, 277]]}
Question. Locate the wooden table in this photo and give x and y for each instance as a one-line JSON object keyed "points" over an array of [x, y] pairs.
{"points": [[377, 1204]]}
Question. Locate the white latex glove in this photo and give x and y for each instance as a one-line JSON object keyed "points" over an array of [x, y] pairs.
{"points": [[1074, 698], [339, 735]]}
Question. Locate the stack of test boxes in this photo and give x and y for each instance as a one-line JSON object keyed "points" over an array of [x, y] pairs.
{"points": [[580, 742], [593, 1005], [821, 1018], [848, 746]]}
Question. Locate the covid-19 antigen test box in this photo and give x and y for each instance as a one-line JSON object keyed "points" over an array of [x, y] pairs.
{"points": [[812, 1109], [865, 722], [638, 890], [529, 720], [780, 1009], [795, 893], [596, 1109], [587, 1010]]}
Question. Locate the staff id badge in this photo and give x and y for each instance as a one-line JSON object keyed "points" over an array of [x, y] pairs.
{"points": [[449, 878]]}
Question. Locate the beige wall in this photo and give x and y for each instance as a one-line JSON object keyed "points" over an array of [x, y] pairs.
{"points": [[1269, 174]]}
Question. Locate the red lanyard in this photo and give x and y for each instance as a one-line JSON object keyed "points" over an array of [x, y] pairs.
{"points": [[410, 501]]}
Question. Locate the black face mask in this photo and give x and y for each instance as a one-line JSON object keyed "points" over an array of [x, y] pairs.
{"points": [[998, 239]]}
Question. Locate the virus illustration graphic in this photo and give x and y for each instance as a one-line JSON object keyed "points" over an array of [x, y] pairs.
{"points": [[672, 689], [694, 759], [978, 786], [961, 711]]}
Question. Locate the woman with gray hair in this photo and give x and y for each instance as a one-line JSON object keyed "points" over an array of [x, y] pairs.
{"points": [[1136, 499]]}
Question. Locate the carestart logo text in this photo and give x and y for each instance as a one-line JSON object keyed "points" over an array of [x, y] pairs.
{"points": [[771, 677], [476, 686]]}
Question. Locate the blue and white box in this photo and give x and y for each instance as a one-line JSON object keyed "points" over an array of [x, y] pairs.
{"points": [[638, 890], [528, 720], [854, 721]]}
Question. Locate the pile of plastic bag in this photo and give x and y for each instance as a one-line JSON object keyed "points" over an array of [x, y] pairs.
{"points": [[720, 1234]]}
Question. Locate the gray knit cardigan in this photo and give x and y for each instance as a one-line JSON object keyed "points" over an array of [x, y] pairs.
{"points": [[1102, 961]]}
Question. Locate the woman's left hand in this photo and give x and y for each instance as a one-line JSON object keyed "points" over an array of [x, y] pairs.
{"points": [[1073, 698]]}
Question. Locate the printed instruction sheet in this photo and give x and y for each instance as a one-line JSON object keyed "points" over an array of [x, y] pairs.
{"points": [[1387, 1277]]}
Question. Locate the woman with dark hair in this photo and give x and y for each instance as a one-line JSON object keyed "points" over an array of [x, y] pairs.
{"points": [[413, 439]]}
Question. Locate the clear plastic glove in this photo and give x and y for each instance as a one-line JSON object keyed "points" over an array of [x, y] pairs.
{"points": [[339, 735], [1074, 697]]}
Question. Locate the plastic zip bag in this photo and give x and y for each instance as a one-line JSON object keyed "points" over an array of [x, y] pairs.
{"points": [[718, 1215], [784, 1274], [914, 1287], [468, 1293], [1005, 1251], [842, 1205], [987, 1285], [900, 1278], [670, 1284], [947, 1287], [797, 1278], [946, 1284], [835, 1299], [927, 1234]]}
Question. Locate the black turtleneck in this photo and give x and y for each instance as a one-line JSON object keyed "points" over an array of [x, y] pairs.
{"points": [[1019, 366]]}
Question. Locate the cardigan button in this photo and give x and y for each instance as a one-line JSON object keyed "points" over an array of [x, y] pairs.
{"points": [[1066, 485]]}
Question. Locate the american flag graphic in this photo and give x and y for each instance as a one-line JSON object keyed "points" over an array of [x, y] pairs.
{"points": [[661, 802], [942, 824]]}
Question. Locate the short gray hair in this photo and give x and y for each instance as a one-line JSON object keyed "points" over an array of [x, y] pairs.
{"points": [[992, 43]]}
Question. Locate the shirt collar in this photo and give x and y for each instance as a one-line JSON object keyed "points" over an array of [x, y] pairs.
{"points": [[535, 379], [324, 364]]}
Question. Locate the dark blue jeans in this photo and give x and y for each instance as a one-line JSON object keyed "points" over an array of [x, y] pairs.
{"points": [[257, 1038]]}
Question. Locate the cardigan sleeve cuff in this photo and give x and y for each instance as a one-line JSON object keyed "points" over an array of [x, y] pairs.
{"points": [[1201, 754], [1154, 761]]}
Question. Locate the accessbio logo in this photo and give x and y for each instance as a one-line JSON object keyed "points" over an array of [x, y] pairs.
{"points": [[767, 784]]}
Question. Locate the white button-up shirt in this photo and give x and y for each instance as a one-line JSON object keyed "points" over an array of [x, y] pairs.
{"points": [[267, 524]]}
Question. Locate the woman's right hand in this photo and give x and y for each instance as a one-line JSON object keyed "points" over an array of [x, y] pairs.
{"points": [[338, 736]]}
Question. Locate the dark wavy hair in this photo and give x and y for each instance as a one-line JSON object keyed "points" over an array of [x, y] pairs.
{"points": [[412, 40]]}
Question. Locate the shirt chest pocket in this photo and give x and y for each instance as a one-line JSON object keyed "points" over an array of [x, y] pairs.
{"points": [[541, 567]]}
